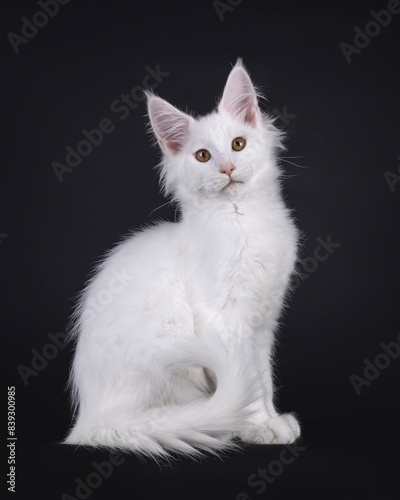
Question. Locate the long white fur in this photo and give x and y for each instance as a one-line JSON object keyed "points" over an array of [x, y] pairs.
{"points": [[174, 332]]}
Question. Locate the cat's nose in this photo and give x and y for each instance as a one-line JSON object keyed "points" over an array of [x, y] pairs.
{"points": [[227, 168]]}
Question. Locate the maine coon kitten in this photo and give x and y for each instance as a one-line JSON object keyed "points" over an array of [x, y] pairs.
{"points": [[175, 330]]}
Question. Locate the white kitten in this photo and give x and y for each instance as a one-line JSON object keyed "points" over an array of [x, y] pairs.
{"points": [[175, 330]]}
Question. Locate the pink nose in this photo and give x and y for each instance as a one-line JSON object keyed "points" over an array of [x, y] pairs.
{"points": [[227, 169]]}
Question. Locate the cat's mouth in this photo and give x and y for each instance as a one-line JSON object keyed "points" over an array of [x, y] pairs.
{"points": [[231, 184]]}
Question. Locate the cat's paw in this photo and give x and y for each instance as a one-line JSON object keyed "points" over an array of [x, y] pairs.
{"points": [[283, 429]]}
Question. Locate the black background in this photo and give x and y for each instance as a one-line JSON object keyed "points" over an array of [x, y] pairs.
{"points": [[343, 126]]}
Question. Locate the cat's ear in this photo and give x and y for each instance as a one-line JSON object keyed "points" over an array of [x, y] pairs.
{"points": [[240, 97], [170, 126]]}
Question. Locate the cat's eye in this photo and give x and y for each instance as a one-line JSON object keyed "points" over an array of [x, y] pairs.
{"points": [[238, 144], [202, 155]]}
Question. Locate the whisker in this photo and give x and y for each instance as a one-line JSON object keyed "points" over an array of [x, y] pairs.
{"points": [[295, 164], [152, 212]]}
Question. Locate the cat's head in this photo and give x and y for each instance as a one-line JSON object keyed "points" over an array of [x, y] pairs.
{"points": [[226, 154]]}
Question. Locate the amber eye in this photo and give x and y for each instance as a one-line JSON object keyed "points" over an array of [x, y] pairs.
{"points": [[202, 155], [238, 144]]}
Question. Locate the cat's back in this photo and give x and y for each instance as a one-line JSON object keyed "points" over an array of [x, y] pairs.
{"points": [[156, 238], [152, 245], [140, 259]]}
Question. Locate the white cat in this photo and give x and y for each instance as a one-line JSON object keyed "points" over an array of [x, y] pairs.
{"points": [[175, 330]]}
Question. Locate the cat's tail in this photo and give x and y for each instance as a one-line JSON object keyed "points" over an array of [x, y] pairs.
{"points": [[206, 424]]}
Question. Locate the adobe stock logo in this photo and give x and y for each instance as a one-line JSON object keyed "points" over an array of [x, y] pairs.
{"points": [[104, 296], [285, 117], [265, 476], [310, 264], [373, 369], [103, 470], [222, 7], [362, 38], [121, 108], [40, 359], [30, 28]]}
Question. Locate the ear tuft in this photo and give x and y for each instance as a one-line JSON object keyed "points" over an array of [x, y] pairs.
{"points": [[170, 126], [239, 97], [239, 63]]}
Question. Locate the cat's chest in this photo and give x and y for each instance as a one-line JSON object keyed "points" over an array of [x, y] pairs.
{"points": [[233, 252], [246, 255]]}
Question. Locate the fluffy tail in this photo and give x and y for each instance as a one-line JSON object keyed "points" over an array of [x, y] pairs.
{"points": [[203, 425]]}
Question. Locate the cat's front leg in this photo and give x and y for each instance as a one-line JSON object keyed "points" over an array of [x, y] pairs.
{"points": [[266, 426]]}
